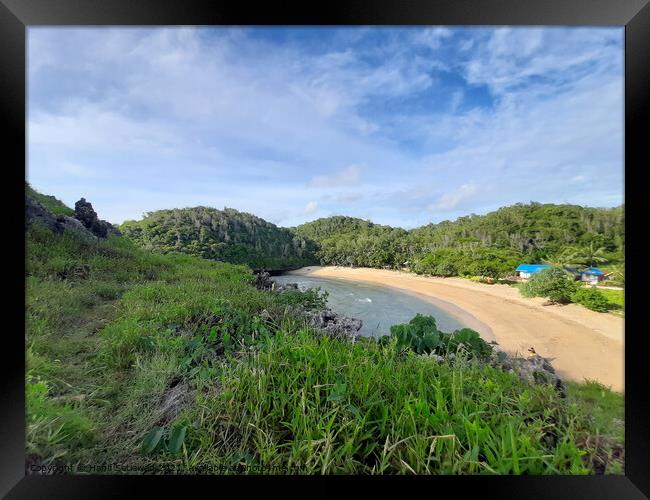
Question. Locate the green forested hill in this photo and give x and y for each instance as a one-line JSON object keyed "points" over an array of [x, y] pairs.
{"points": [[491, 244], [348, 241], [474, 245], [226, 235], [535, 229]]}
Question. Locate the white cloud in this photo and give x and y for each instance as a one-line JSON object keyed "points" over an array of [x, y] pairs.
{"points": [[433, 37], [451, 200], [349, 197], [251, 122], [544, 57], [349, 176], [310, 208]]}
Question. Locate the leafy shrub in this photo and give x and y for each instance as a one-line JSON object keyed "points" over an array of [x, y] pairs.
{"points": [[591, 299], [553, 283], [421, 335], [312, 299]]}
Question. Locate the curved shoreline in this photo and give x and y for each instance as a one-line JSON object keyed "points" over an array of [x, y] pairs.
{"points": [[581, 344]]}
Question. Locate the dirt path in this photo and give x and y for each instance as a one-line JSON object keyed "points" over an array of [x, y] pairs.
{"points": [[581, 344]]}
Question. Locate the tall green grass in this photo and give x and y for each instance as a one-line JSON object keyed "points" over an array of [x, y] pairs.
{"points": [[315, 405], [121, 342]]}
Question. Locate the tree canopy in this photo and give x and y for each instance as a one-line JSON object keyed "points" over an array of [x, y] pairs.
{"points": [[226, 235], [486, 245], [490, 245]]}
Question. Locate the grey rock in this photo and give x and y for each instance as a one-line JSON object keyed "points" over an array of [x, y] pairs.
{"points": [[286, 287], [34, 211], [537, 370], [72, 225], [334, 324], [263, 281], [532, 369], [85, 213]]}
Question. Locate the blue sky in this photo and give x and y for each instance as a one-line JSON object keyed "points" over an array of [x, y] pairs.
{"points": [[402, 126]]}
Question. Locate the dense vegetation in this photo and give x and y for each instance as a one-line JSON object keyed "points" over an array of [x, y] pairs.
{"points": [[560, 287], [592, 299], [477, 245], [167, 362], [422, 336], [553, 283], [224, 235], [491, 245]]}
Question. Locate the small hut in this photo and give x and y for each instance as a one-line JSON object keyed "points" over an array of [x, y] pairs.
{"points": [[592, 275], [525, 271]]}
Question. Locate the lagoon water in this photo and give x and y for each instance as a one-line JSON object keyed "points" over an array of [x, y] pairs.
{"points": [[379, 307]]}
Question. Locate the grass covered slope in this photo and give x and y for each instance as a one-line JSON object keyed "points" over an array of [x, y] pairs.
{"points": [[168, 361], [225, 235], [52, 204]]}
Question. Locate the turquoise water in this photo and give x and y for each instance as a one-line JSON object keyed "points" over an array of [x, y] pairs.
{"points": [[379, 307]]}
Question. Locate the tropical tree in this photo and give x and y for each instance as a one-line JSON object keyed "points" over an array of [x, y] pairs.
{"points": [[618, 273], [562, 259], [590, 255]]}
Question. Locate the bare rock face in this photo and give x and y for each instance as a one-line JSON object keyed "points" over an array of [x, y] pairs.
{"points": [[85, 213], [334, 324], [537, 370], [532, 369], [263, 281], [285, 287], [34, 211]]}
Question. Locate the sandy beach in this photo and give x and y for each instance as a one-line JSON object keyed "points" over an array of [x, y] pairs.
{"points": [[581, 344]]}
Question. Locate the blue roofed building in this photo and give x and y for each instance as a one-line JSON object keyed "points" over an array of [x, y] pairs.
{"points": [[592, 275], [527, 270]]}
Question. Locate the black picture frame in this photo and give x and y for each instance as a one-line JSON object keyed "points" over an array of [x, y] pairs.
{"points": [[17, 15]]}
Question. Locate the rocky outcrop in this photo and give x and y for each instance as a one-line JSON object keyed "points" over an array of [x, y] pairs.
{"points": [[286, 287], [263, 281], [84, 224], [532, 369], [34, 211], [85, 213], [326, 321], [334, 324]]}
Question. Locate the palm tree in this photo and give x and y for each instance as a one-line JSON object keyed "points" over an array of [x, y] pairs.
{"points": [[590, 255], [562, 259], [618, 273]]}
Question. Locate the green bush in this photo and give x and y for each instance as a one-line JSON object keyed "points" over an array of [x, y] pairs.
{"points": [[312, 298], [553, 283], [421, 335], [591, 299]]}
